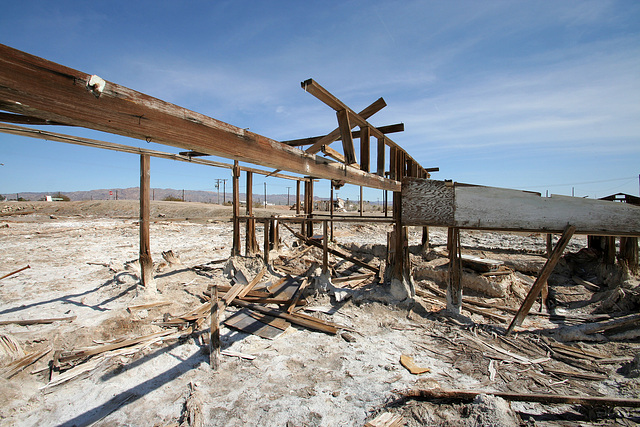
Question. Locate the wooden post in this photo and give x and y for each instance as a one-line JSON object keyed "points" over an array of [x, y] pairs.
{"points": [[214, 338], [146, 263], [361, 202], [542, 278], [331, 210], [549, 244], [308, 206], [454, 285], [325, 247], [629, 252], [235, 248], [425, 239], [381, 159], [266, 241], [298, 197], [365, 148], [251, 243]]}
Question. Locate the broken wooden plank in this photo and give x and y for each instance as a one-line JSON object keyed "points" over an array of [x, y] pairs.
{"points": [[246, 322], [253, 283], [575, 374], [297, 295], [26, 322], [541, 280], [132, 308], [588, 331], [297, 320], [18, 365], [238, 354], [590, 286], [411, 366], [398, 127], [352, 278], [522, 397], [214, 333]]}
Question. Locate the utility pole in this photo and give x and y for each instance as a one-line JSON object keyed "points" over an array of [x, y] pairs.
{"points": [[218, 188], [265, 194], [183, 195], [224, 191], [289, 188]]}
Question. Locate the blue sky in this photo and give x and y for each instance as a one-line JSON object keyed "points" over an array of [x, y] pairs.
{"points": [[535, 95]]}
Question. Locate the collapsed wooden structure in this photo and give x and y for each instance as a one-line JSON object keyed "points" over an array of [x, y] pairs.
{"points": [[39, 92]]}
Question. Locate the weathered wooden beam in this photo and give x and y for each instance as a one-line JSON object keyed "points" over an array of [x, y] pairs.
{"points": [[327, 150], [214, 337], [26, 120], [38, 88], [347, 140], [454, 284], [235, 245], [440, 203], [541, 281], [398, 127]]}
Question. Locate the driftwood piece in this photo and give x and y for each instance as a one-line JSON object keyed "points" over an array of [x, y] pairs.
{"points": [[192, 412], [522, 397], [15, 272], [38, 321]]}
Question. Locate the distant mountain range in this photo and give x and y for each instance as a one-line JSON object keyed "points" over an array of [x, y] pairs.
{"points": [[133, 193]]}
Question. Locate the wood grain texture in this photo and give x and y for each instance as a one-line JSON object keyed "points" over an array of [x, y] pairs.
{"points": [[431, 202], [427, 202]]}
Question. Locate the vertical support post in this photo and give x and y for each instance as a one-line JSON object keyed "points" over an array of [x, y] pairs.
{"points": [[361, 203], [308, 205], [146, 263], [381, 160], [214, 338], [542, 278], [549, 244], [629, 252], [325, 247], [331, 210], [425, 239], [266, 241], [235, 249], [251, 244], [454, 285], [365, 148], [385, 195], [298, 197]]}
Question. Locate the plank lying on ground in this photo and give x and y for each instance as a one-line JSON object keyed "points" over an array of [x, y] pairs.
{"points": [[333, 251], [232, 353], [590, 286], [15, 272], [256, 324], [465, 306], [386, 419], [18, 365], [38, 321], [352, 278], [146, 306], [576, 374], [588, 331], [522, 397], [295, 319]]}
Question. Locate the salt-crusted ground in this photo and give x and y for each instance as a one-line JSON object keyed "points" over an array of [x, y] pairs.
{"points": [[77, 254]]}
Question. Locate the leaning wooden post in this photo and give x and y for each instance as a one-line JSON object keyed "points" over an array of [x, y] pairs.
{"points": [[214, 338], [235, 249], [325, 247], [266, 241], [146, 263], [542, 278], [454, 285]]}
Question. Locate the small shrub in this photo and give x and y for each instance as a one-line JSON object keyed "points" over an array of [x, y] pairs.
{"points": [[172, 199]]}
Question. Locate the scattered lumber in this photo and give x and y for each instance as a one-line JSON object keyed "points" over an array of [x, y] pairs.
{"points": [[192, 412], [27, 322], [352, 278], [296, 319], [575, 374], [429, 394], [465, 306], [231, 353], [255, 323], [18, 365], [482, 265], [14, 272], [332, 250], [590, 286]]}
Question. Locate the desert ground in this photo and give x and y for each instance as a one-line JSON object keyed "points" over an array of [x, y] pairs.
{"points": [[82, 270]]}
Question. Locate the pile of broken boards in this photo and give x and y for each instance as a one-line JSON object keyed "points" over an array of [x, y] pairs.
{"points": [[266, 305]]}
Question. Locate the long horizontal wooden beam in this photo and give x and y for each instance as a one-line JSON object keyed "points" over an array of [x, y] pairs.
{"points": [[398, 127], [325, 96], [70, 139], [25, 120], [39, 88], [440, 203]]}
